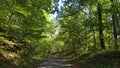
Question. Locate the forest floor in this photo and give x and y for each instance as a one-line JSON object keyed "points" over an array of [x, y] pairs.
{"points": [[55, 62], [103, 59]]}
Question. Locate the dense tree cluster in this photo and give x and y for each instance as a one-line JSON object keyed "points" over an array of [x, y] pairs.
{"points": [[24, 29], [88, 25], [29, 32]]}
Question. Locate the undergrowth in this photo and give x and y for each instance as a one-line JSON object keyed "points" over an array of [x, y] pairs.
{"points": [[102, 59]]}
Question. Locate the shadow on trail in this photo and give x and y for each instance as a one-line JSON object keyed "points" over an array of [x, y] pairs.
{"points": [[54, 62]]}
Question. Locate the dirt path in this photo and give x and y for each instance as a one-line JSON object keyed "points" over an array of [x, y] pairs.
{"points": [[54, 62]]}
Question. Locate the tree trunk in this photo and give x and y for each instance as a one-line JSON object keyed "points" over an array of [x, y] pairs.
{"points": [[94, 38], [74, 47], [114, 21], [115, 32], [100, 26]]}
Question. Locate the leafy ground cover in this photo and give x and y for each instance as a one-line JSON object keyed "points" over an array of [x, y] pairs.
{"points": [[104, 59]]}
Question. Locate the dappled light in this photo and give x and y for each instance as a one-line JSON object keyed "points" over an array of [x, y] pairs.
{"points": [[59, 33]]}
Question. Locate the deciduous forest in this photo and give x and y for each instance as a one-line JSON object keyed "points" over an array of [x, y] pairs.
{"points": [[86, 33]]}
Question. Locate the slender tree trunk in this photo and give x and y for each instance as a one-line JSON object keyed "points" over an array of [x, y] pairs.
{"points": [[117, 18], [86, 37], [114, 21], [115, 31], [100, 26], [94, 38], [118, 24], [73, 46]]}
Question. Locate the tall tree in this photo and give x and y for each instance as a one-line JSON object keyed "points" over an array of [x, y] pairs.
{"points": [[114, 21], [101, 27]]}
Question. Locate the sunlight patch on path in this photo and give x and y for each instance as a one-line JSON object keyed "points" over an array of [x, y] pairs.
{"points": [[54, 62]]}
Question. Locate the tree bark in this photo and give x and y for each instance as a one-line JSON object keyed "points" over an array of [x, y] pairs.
{"points": [[94, 38], [114, 21], [74, 47], [100, 26]]}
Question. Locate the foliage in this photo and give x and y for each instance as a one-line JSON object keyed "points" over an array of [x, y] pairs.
{"points": [[23, 25], [28, 34]]}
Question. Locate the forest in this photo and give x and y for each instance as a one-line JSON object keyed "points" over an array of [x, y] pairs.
{"points": [[86, 33]]}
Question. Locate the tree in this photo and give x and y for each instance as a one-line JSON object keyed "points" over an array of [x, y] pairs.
{"points": [[100, 26], [114, 21]]}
